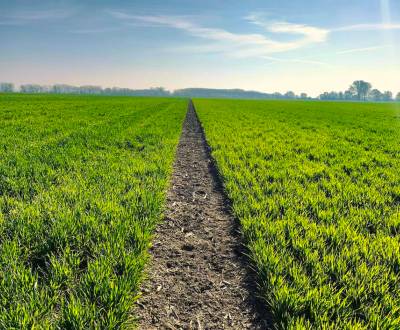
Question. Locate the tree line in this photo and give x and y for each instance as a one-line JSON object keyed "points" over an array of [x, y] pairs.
{"points": [[85, 90], [236, 94], [158, 91], [361, 90], [358, 91]]}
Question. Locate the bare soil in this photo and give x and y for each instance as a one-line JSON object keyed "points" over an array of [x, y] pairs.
{"points": [[198, 277]]}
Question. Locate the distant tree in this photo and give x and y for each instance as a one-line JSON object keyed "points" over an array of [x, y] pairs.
{"points": [[159, 91], [290, 95], [92, 90], [324, 96], [360, 89], [6, 87], [334, 95], [64, 89], [304, 96], [277, 95], [376, 95], [398, 97], [331, 96], [348, 95], [387, 96], [33, 88]]}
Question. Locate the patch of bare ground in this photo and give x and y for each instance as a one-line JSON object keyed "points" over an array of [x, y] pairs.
{"points": [[198, 277]]}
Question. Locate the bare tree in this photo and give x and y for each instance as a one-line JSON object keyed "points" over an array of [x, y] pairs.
{"points": [[6, 87], [89, 89], [348, 95], [64, 89], [376, 95], [360, 89], [290, 95], [31, 88], [331, 96], [387, 96]]}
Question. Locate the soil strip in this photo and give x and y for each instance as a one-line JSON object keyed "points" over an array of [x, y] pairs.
{"points": [[198, 278]]}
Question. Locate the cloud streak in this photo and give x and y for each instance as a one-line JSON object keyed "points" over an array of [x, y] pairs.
{"points": [[309, 34], [26, 17], [368, 27], [235, 44], [360, 50], [254, 45], [297, 60], [96, 30]]}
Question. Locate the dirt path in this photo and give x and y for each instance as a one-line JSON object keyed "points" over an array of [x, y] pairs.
{"points": [[197, 279]]}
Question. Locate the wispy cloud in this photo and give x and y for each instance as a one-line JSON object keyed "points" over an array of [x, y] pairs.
{"points": [[368, 27], [96, 30], [272, 40], [297, 60], [234, 44], [360, 50], [310, 34], [25, 17]]}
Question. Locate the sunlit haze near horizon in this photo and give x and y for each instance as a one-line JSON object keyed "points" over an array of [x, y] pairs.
{"points": [[303, 46]]}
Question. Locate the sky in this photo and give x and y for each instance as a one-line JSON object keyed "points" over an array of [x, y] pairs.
{"points": [[307, 46]]}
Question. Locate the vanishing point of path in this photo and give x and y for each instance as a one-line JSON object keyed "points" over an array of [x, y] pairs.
{"points": [[197, 278]]}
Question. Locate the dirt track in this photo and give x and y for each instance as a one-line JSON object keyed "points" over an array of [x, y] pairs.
{"points": [[197, 278]]}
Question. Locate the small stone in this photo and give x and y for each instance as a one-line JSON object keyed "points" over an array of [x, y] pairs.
{"points": [[188, 247]]}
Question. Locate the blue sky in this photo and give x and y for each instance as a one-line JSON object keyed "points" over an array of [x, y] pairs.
{"points": [[310, 46]]}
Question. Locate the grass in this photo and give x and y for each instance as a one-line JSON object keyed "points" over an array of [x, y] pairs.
{"points": [[316, 187], [82, 185]]}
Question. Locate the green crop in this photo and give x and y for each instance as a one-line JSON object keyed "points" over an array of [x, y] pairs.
{"points": [[82, 185], [316, 187]]}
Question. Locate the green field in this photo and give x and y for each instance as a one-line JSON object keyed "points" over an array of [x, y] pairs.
{"points": [[316, 187], [82, 185]]}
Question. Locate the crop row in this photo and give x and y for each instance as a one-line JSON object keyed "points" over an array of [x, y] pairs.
{"points": [[82, 185], [316, 187]]}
